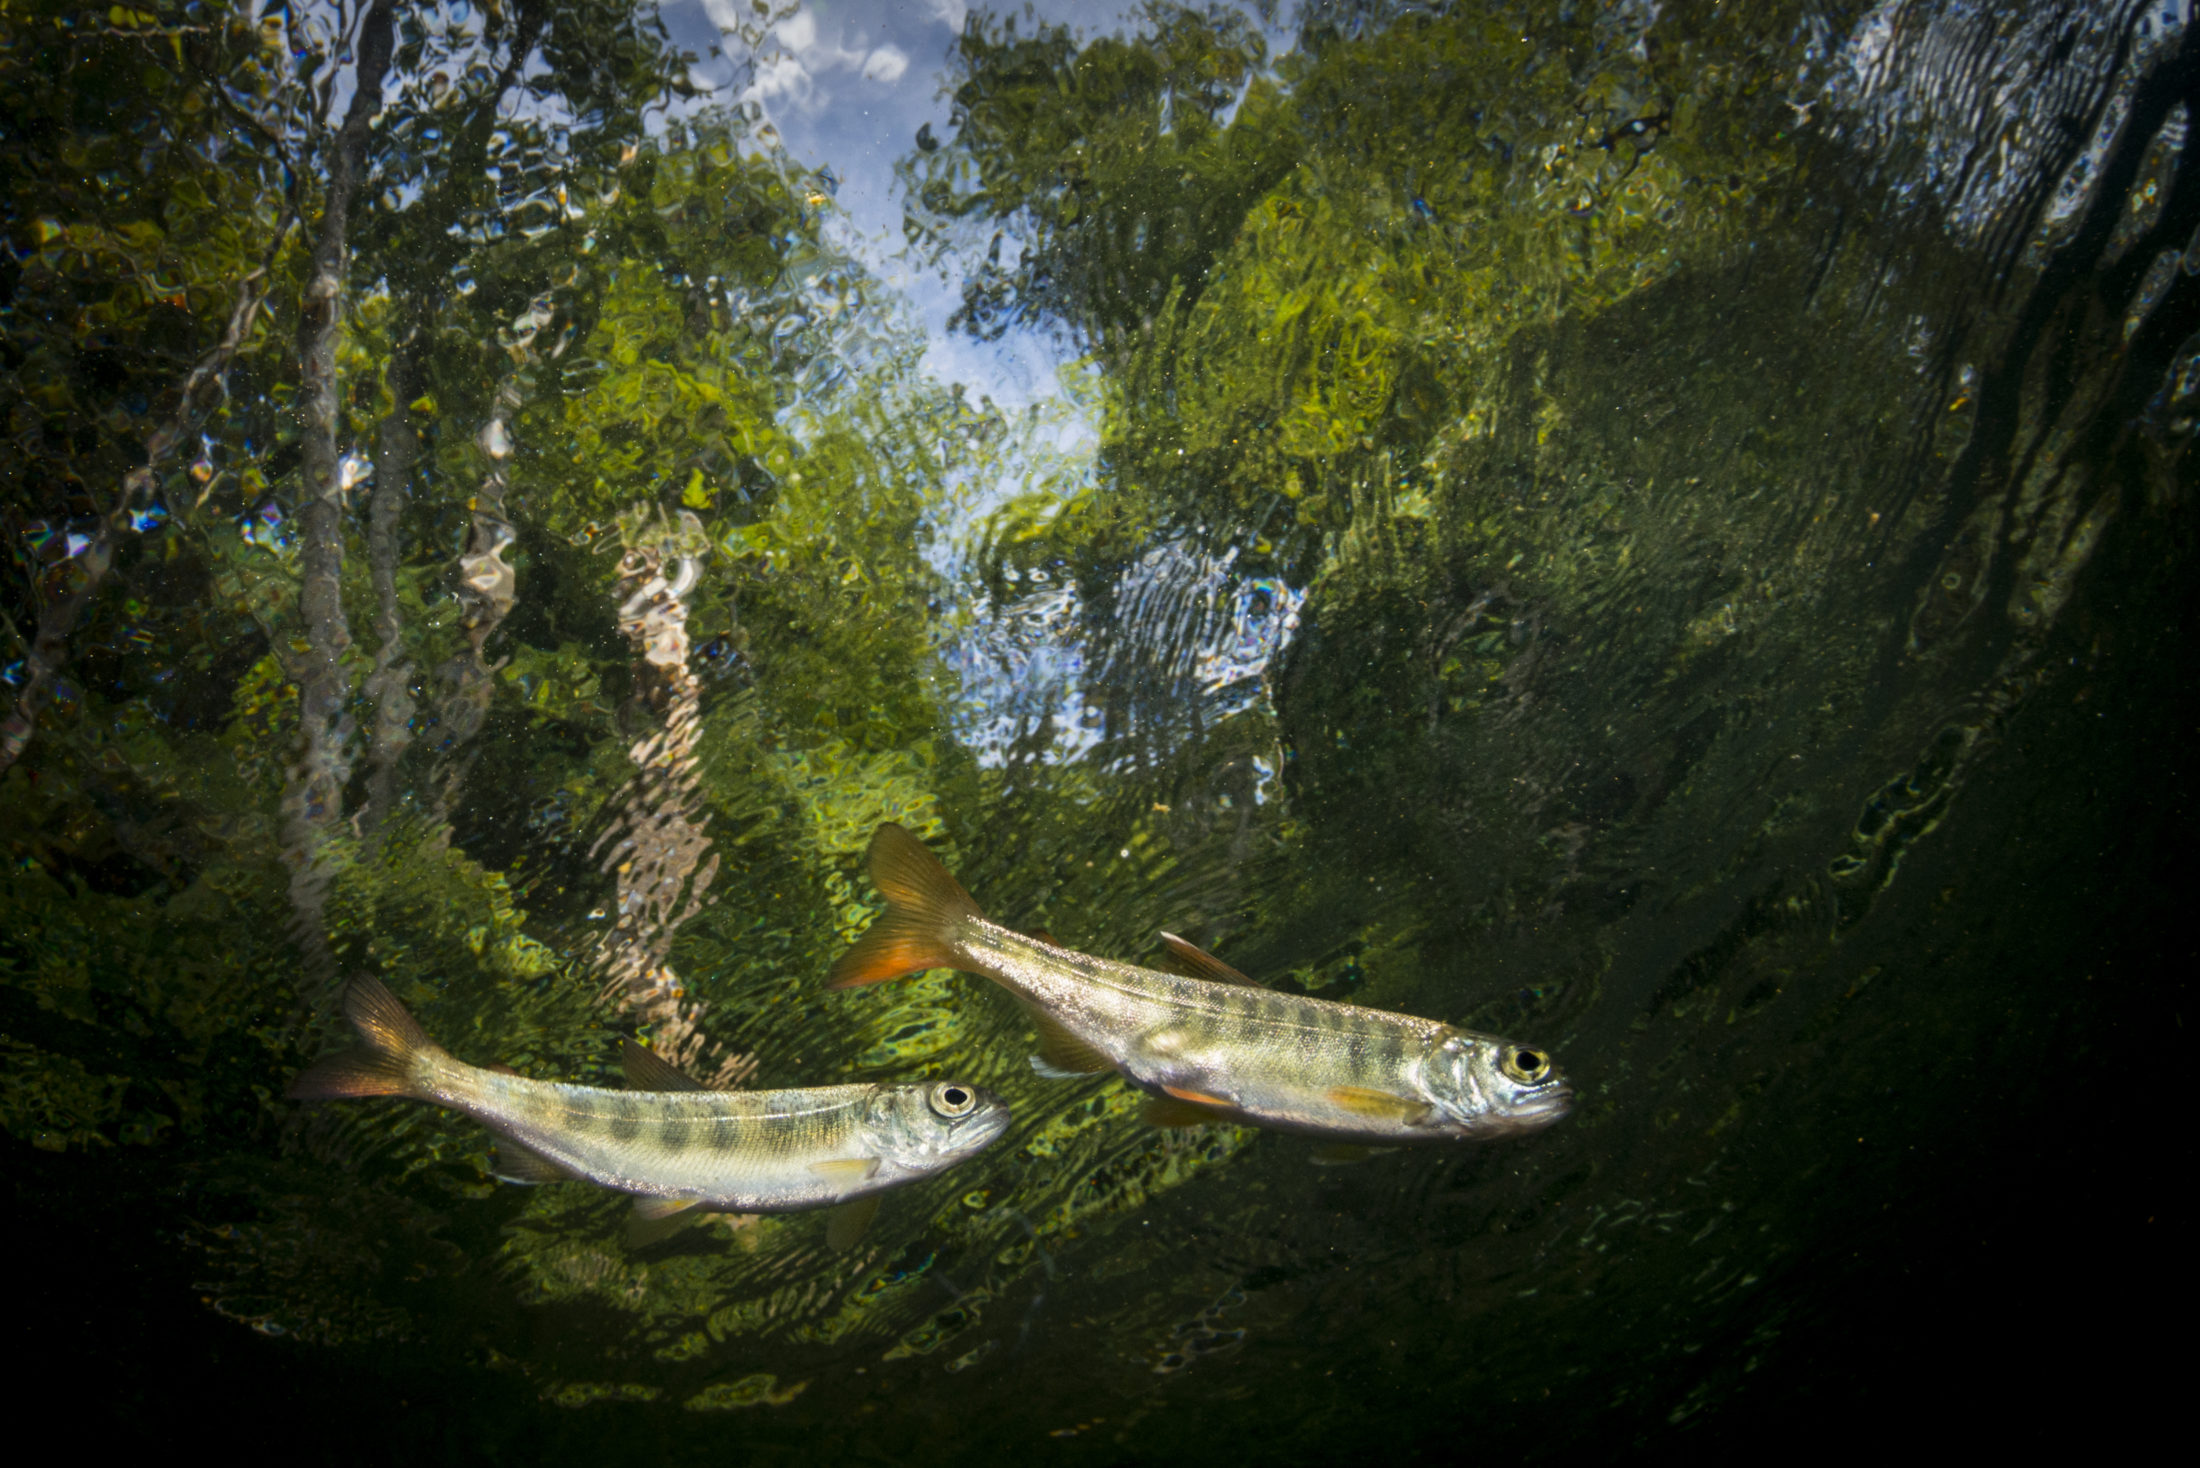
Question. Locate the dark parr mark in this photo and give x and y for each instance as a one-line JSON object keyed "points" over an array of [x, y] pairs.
{"points": [[626, 1120]]}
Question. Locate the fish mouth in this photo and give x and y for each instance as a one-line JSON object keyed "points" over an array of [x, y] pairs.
{"points": [[981, 1132], [1544, 1107]]}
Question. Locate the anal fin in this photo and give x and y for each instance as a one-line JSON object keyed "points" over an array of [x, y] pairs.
{"points": [[1062, 1054], [845, 1228], [654, 1220], [526, 1166]]}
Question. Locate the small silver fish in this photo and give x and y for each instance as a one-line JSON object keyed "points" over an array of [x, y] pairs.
{"points": [[1209, 1045], [676, 1145]]}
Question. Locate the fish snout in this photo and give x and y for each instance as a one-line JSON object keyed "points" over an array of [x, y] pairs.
{"points": [[1522, 1111], [1547, 1105], [985, 1124]]}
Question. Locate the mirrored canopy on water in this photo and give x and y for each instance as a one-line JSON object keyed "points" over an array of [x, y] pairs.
{"points": [[1640, 528]]}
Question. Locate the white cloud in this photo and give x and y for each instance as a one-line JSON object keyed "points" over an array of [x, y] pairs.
{"points": [[727, 15], [948, 13], [798, 32], [886, 64], [800, 57], [783, 79]]}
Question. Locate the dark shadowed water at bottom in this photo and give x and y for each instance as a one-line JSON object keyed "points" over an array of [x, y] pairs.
{"points": [[1661, 535]]}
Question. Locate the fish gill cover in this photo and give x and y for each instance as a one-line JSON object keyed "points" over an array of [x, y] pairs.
{"points": [[1655, 528]]}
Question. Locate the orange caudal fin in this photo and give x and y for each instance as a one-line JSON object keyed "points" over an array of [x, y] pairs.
{"points": [[391, 1041], [924, 907]]}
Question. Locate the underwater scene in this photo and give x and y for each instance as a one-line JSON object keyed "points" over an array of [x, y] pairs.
{"points": [[900, 731]]}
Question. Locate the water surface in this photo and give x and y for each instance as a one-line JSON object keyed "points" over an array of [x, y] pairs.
{"points": [[1658, 532]]}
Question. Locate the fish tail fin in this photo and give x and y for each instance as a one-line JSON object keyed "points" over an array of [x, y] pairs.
{"points": [[924, 907], [386, 1061]]}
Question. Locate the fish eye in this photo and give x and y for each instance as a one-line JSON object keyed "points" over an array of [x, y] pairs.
{"points": [[1524, 1064], [949, 1099]]}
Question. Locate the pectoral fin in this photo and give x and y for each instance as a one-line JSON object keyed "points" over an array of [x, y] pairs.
{"points": [[846, 1171], [1061, 1054], [646, 1070], [1380, 1105], [524, 1165], [845, 1227], [656, 1219], [1197, 963]]}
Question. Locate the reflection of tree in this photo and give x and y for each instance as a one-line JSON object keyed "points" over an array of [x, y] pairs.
{"points": [[631, 476], [123, 225], [314, 797], [538, 382], [1296, 270], [47, 653], [1110, 161]]}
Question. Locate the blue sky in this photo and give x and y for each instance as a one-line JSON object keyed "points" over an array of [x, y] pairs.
{"points": [[849, 83]]}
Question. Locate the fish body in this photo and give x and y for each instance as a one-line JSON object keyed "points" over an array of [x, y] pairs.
{"points": [[1215, 1047], [675, 1143]]}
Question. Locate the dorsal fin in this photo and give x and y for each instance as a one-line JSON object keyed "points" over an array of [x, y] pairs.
{"points": [[1195, 962], [646, 1070]]}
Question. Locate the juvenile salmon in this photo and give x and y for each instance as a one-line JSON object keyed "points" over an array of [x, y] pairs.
{"points": [[669, 1141], [1215, 1046]]}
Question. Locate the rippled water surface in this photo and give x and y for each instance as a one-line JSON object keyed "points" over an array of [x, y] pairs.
{"points": [[1659, 530]]}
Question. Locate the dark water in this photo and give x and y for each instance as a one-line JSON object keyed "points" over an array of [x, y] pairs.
{"points": [[1659, 532]]}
